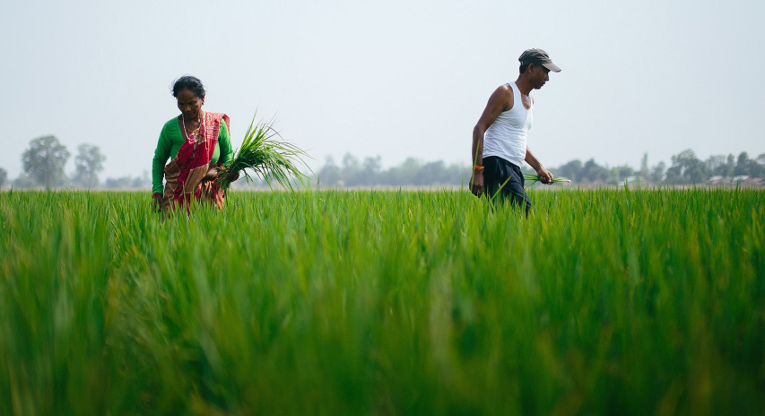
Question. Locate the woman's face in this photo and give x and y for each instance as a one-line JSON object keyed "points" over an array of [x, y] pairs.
{"points": [[189, 104]]}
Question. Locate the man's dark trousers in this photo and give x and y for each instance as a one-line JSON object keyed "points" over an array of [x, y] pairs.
{"points": [[501, 176]]}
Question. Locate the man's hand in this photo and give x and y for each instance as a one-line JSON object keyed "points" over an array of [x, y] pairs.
{"points": [[158, 204], [476, 183], [545, 176]]}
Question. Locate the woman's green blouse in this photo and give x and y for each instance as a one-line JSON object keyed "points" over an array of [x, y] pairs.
{"points": [[170, 141]]}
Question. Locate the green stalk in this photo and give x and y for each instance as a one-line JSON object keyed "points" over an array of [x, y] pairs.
{"points": [[269, 159], [535, 178]]}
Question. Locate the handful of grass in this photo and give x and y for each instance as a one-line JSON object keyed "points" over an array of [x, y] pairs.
{"points": [[271, 160], [534, 179]]}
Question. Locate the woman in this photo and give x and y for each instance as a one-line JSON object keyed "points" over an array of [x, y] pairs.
{"points": [[199, 143]]}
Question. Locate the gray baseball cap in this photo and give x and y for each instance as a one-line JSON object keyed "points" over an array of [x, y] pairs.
{"points": [[539, 57]]}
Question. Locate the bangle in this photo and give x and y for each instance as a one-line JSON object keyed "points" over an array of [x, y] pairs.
{"points": [[478, 168]]}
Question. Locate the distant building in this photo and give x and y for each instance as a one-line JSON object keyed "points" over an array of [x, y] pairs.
{"points": [[716, 179]]}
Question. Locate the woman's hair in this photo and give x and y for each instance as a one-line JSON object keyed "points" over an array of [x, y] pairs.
{"points": [[187, 82]]}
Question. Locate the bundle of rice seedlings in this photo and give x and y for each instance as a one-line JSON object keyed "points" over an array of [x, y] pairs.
{"points": [[271, 160], [534, 179]]}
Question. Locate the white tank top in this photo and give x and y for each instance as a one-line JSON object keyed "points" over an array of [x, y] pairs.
{"points": [[508, 134]]}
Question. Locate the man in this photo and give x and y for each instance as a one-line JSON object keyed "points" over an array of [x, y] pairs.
{"points": [[499, 138]]}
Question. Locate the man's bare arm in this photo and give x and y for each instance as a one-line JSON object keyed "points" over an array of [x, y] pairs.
{"points": [[545, 176], [501, 100], [498, 102]]}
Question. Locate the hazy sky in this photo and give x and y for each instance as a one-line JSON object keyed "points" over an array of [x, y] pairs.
{"points": [[393, 78]]}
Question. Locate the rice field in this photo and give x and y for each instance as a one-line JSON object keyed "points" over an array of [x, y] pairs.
{"points": [[384, 303]]}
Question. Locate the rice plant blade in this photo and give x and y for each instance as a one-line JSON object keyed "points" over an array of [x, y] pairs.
{"points": [[535, 178], [269, 159]]}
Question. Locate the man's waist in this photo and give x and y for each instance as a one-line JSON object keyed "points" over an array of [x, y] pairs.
{"points": [[498, 159]]}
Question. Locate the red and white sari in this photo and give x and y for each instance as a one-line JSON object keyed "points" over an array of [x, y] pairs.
{"points": [[185, 172]]}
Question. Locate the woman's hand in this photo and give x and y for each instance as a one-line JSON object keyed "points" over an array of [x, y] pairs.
{"points": [[212, 173], [232, 176], [158, 205]]}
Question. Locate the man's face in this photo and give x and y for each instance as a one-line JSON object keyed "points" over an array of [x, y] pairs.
{"points": [[539, 75]]}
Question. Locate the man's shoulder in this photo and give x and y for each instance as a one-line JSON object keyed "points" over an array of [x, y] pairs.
{"points": [[503, 94], [504, 90]]}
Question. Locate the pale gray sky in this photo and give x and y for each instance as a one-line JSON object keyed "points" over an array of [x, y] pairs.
{"points": [[394, 78]]}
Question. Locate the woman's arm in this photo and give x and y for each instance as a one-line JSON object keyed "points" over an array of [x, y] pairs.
{"points": [[226, 150], [224, 141], [161, 154]]}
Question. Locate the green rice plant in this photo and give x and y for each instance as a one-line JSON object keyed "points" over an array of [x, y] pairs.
{"points": [[384, 302], [535, 178], [271, 160]]}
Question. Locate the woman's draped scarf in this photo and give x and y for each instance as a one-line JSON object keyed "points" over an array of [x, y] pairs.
{"points": [[185, 172]]}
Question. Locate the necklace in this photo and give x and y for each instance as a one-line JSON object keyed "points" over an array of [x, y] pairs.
{"points": [[195, 132]]}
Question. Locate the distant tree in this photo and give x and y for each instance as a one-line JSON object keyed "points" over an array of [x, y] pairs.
{"points": [[407, 172], [124, 182], [756, 170], [352, 173], [696, 173], [730, 166], [592, 172], [330, 173], [88, 162], [142, 182], [349, 161], [402, 175], [715, 165], [742, 165], [620, 173], [458, 175], [644, 173], [432, 173], [370, 170], [674, 175], [657, 173], [3, 177], [686, 168], [44, 161], [24, 182], [758, 166], [571, 170]]}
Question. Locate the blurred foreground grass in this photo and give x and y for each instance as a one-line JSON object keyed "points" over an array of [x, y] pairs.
{"points": [[384, 303]]}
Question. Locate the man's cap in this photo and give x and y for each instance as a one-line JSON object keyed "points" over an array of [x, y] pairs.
{"points": [[539, 57]]}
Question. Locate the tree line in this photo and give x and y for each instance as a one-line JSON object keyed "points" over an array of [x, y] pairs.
{"points": [[685, 169], [44, 161]]}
